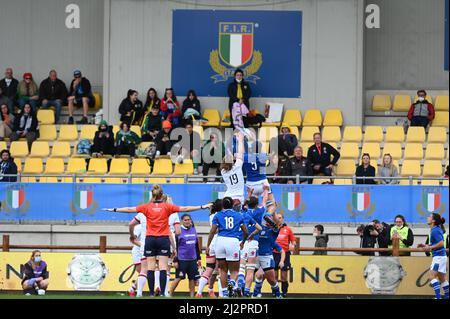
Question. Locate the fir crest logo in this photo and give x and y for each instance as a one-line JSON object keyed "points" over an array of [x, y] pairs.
{"points": [[83, 200], [235, 50], [431, 202], [292, 203], [15, 201], [360, 204]]}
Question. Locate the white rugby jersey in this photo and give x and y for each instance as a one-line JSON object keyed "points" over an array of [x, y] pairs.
{"points": [[234, 180], [173, 220], [141, 229]]}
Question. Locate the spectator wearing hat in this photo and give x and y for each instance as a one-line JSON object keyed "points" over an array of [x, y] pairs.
{"points": [[8, 90], [126, 140], [286, 141], [103, 140], [80, 93], [131, 109], [163, 142], [28, 92], [421, 113], [53, 92]]}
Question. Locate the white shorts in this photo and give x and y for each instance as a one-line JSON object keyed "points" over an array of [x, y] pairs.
{"points": [[250, 249], [265, 262], [258, 187], [137, 254], [212, 247], [439, 264], [227, 248]]}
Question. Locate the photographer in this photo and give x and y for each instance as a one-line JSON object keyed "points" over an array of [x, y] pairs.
{"points": [[368, 235], [383, 237]]}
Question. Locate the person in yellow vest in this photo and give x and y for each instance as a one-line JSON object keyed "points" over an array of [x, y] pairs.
{"points": [[401, 231], [238, 89]]}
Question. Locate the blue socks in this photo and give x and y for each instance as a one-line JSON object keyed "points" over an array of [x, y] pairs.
{"points": [[246, 292], [445, 287], [241, 281], [437, 288], [257, 289], [276, 291]]}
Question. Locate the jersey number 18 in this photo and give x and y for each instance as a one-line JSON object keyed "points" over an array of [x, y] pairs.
{"points": [[229, 222]]}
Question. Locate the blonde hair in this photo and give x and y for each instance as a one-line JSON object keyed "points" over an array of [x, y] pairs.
{"points": [[157, 193], [34, 252], [390, 165]]}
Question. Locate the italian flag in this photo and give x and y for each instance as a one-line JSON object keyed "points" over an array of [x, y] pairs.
{"points": [[218, 195], [236, 49], [16, 198], [361, 201], [83, 199], [291, 200], [431, 201]]}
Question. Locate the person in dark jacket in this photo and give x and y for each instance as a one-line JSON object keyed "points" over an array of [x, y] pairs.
{"points": [[131, 109], [7, 167], [126, 140], [35, 276], [319, 155], [162, 140], [321, 239], [191, 102], [365, 170], [151, 125], [299, 165], [212, 153], [152, 100], [103, 140], [281, 162], [8, 90], [286, 141], [368, 235], [80, 93], [401, 231], [53, 92], [25, 126], [238, 89], [383, 231], [421, 113]]}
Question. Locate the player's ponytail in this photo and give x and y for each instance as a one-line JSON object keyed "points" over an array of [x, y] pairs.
{"points": [[438, 220], [157, 193], [227, 203]]}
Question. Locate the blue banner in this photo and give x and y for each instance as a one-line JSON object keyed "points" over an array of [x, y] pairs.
{"points": [[208, 45], [299, 203]]}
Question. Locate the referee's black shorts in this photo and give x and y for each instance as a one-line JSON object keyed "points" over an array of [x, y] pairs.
{"points": [[287, 261]]}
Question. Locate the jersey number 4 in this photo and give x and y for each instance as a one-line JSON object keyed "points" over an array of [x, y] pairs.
{"points": [[229, 222]]}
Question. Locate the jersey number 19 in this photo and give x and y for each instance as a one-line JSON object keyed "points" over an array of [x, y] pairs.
{"points": [[234, 179]]}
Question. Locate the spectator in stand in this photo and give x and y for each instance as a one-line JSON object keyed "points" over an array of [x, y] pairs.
{"points": [[286, 240], [368, 239], [28, 92], [131, 109], [6, 122], [35, 275], [286, 141], [151, 125], [170, 108], [25, 126], [388, 169], [365, 170], [401, 231], [383, 234], [191, 150], [152, 100], [80, 93], [103, 141], [163, 142], [126, 140], [8, 90], [53, 92], [299, 165], [321, 239], [238, 89], [212, 154], [191, 107], [319, 156], [7, 167], [421, 113]]}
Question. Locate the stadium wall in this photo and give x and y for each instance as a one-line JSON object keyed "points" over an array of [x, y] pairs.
{"points": [[137, 52]]}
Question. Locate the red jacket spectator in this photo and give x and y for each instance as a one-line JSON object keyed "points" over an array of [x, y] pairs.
{"points": [[430, 107]]}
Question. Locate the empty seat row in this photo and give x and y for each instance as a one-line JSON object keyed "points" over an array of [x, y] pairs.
{"points": [[402, 103]]}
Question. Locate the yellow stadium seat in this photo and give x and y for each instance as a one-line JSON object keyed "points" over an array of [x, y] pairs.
{"points": [[199, 129], [437, 134], [176, 181], [435, 151], [441, 103], [53, 166], [136, 129], [432, 168], [159, 180], [213, 117], [3, 145], [61, 149], [407, 182], [39, 149], [352, 134], [430, 182], [395, 149], [98, 100], [331, 134], [46, 116], [292, 117], [395, 134], [416, 134], [88, 132], [440, 119], [413, 151], [333, 117], [373, 149], [381, 103], [32, 166], [119, 166], [265, 147], [266, 133], [402, 103], [140, 166], [187, 168], [97, 166], [312, 118], [76, 166], [343, 181], [47, 132], [410, 168], [116, 128], [305, 147], [308, 133], [19, 149], [429, 98], [345, 167], [18, 164], [373, 134], [349, 150], [68, 133], [226, 119], [445, 182], [162, 166]]}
